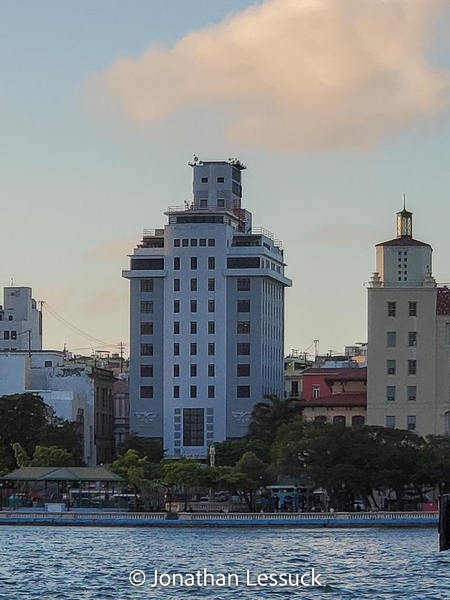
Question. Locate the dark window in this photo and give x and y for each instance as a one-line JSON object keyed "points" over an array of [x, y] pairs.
{"points": [[412, 393], [211, 263], [193, 349], [193, 327], [203, 203], [220, 202], [243, 284], [357, 420], [146, 307], [176, 370], [211, 327], [176, 243], [211, 370], [176, 327], [211, 306], [390, 393], [185, 242], [193, 285], [194, 306], [412, 339], [146, 370], [211, 242], [176, 349], [391, 339], [193, 426], [147, 264], [211, 391], [243, 306], [146, 285], [47, 363], [202, 242], [391, 367], [392, 309], [193, 370], [221, 180], [194, 242], [193, 262], [412, 309], [146, 349], [211, 285], [204, 180], [146, 391], [147, 328], [10, 317], [211, 349], [243, 391], [14, 335], [176, 285], [176, 391], [412, 367], [243, 262], [243, 327], [411, 422], [176, 306], [243, 349], [193, 391], [243, 370], [338, 420], [176, 263]]}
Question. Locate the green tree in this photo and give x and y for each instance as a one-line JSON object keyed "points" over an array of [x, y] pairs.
{"points": [[254, 473], [267, 417], [65, 435], [229, 452], [434, 463], [145, 447], [51, 456]]}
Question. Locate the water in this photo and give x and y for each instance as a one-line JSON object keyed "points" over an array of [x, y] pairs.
{"points": [[77, 563]]}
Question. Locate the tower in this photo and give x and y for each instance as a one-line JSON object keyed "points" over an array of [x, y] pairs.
{"points": [[207, 317]]}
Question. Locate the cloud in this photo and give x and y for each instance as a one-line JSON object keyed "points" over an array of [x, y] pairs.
{"points": [[291, 75], [112, 250]]}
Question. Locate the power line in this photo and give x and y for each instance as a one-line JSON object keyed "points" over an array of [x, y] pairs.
{"points": [[73, 328]]}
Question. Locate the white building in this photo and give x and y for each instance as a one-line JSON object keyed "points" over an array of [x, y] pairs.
{"points": [[207, 317], [20, 320], [408, 357]]}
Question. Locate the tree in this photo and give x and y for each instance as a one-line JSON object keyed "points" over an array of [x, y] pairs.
{"points": [[229, 452], [145, 447], [65, 435], [268, 416], [254, 471], [51, 457]]}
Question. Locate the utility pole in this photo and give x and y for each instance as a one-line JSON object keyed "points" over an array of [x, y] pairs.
{"points": [[121, 345]]}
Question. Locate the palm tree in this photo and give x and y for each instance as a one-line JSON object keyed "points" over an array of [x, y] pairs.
{"points": [[267, 417]]}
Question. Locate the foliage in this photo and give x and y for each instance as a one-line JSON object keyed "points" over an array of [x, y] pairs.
{"points": [[229, 452], [145, 447], [268, 416]]}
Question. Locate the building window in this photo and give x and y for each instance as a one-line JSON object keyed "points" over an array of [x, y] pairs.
{"points": [[6, 335], [243, 370], [243, 306], [243, 391], [243, 349], [176, 306], [193, 391], [146, 391], [211, 349], [412, 393], [412, 367], [220, 202], [146, 349], [10, 317], [176, 327], [146, 307], [146, 285], [243, 327], [194, 242], [447, 334], [147, 328], [316, 391], [193, 370], [204, 180], [176, 285], [193, 263], [47, 363], [391, 339], [211, 306], [185, 242], [194, 306], [390, 393], [391, 367], [203, 203], [339, 420], [411, 422], [193, 327], [211, 242], [243, 284], [211, 327], [176, 243], [146, 370], [176, 391], [211, 391], [193, 427], [412, 309], [221, 180], [176, 349], [193, 285], [193, 349], [412, 339], [392, 309], [211, 370], [176, 370], [202, 242], [357, 421], [211, 263], [211, 285], [390, 421], [176, 263]]}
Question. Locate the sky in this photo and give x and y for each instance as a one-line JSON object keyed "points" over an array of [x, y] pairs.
{"points": [[337, 107]]}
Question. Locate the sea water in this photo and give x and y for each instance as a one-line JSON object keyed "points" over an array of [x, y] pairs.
{"points": [[173, 563]]}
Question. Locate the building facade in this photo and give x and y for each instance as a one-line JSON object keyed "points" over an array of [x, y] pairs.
{"points": [[20, 320], [408, 338], [207, 317]]}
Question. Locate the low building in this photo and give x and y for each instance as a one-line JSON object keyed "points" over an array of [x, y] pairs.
{"points": [[294, 365], [20, 320]]}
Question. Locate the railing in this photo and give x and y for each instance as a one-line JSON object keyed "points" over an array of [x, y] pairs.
{"points": [[153, 233], [298, 517], [73, 516]]}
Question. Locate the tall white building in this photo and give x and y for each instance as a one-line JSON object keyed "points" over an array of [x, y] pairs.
{"points": [[408, 356], [207, 317], [20, 320]]}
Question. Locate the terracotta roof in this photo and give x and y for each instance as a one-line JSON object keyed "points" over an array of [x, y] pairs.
{"points": [[443, 301], [404, 240], [359, 373], [336, 400]]}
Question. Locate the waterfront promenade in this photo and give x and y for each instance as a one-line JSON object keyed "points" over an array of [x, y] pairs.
{"points": [[304, 520]]}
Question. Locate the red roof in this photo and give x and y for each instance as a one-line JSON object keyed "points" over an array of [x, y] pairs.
{"points": [[443, 301], [345, 399], [349, 373], [404, 240]]}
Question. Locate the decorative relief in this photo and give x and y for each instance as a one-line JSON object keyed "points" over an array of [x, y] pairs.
{"points": [[242, 417], [146, 417]]}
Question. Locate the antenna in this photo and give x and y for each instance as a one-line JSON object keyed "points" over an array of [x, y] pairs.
{"points": [[404, 201]]}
